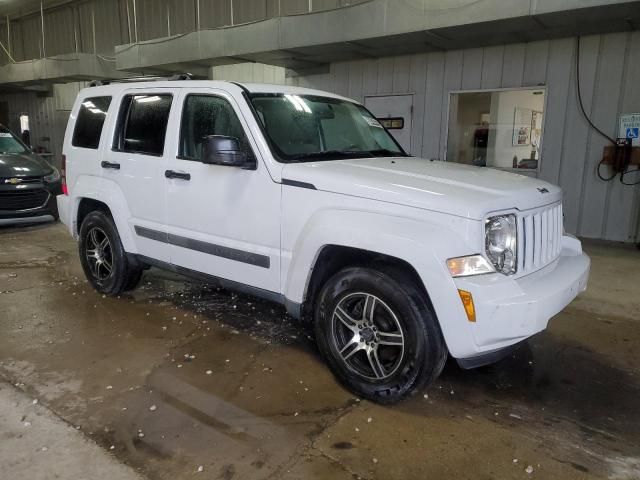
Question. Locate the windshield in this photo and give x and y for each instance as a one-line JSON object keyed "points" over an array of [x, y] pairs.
{"points": [[310, 128], [9, 143]]}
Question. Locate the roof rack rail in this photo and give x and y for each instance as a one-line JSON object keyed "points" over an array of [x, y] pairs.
{"points": [[177, 76]]}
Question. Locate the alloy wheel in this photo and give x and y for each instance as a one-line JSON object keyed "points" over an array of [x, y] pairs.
{"points": [[368, 336], [98, 253]]}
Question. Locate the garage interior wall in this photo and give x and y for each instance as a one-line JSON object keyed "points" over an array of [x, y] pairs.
{"points": [[610, 67], [249, 73], [571, 150], [97, 25], [46, 122]]}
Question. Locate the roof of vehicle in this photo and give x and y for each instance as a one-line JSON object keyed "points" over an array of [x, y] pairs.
{"points": [[116, 87]]}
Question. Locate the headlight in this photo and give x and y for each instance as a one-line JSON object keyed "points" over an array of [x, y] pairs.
{"points": [[53, 176], [501, 234], [467, 266]]}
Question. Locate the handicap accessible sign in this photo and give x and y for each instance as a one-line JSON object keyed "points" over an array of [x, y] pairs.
{"points": [[630, 128]]}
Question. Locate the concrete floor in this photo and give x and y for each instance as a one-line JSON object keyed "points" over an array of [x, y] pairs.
{"points": [[36, 444], [178, 376]]}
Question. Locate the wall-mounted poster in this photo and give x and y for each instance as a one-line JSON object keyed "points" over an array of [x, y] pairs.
{"points": [[536, 129], [522, 127]]}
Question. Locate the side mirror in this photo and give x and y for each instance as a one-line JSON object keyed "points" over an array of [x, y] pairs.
{"points": [[223, 150]]}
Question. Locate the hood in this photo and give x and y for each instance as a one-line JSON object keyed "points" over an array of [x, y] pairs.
{"points": [[23, 165], [446, 187]]}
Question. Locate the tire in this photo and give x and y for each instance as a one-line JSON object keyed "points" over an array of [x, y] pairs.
{"points": [[368, 365], [103, 259], [54, 212], [135, 274]]}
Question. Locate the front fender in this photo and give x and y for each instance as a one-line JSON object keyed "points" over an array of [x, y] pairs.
{"points": [[424, 245], [108, 192]]}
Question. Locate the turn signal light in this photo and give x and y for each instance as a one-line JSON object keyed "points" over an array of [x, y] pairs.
{"points": [[467, 303], [469, 265], [63, 174]]}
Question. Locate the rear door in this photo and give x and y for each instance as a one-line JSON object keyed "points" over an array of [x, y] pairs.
{"points": [[137, 161], [84, 138]]}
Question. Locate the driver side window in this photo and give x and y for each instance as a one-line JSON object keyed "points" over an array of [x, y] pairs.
{"points": [[205, 115]]}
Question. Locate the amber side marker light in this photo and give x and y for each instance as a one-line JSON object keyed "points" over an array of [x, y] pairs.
{"points": [[467, 303]]}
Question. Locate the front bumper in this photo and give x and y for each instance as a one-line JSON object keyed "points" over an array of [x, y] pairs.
{"points": [[44, 206], [64, 204], [511, 310]]}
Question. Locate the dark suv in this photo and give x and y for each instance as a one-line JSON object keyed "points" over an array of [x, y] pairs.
{"points": [[28, 184]]}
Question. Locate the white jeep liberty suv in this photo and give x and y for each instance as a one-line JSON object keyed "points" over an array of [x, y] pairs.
{"points": [[303, 198]]}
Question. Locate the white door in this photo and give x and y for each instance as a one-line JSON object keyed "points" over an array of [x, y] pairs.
{"points": [[136, 161], [223, 221], [395, 113]]}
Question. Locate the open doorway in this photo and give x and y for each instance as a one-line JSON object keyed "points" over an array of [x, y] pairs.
{"points": [[4, 114], [25, 132], [395, 113]]}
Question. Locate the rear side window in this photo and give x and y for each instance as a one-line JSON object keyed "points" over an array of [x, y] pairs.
{"points": [[93, 112], [142, 125]]}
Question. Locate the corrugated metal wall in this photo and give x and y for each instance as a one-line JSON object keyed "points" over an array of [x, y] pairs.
{"points": [[46, 124], [109, 17], [69, 28], [610, 69], [99, 25], [249, 73]]}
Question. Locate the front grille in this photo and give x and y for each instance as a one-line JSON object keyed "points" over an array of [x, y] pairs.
{"points": [[21, 180], [540, 238], [17, 200]]}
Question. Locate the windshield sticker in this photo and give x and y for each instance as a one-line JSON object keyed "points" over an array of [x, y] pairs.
{"points": [[5, 135], [372, 122]]}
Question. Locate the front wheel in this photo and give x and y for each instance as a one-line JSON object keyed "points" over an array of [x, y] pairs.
{"points": [[103, 258], [377, 333]]}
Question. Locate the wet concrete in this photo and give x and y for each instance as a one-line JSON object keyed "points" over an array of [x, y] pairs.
{"points": [[179, 375]]}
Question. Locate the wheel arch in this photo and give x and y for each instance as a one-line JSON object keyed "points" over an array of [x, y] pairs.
{"points": [[332, 258], [418, 247], [95, 193], [87, 205]]}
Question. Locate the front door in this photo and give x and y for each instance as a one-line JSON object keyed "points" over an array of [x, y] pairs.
{"points": [[223, 221]]}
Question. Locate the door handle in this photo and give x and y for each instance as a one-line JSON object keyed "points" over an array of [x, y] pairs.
{"points": [[180, 175], [114, 166]]}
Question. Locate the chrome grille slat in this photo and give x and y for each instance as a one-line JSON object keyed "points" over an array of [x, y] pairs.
{"points": [[540, 232], [522, 245], [528, 254]]}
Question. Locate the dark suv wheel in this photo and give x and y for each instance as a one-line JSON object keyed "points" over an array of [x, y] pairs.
{"points": [[103, 258], [378, 334]]}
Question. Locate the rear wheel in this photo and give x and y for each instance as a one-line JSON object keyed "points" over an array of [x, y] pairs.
{"points": [[378, 334], [103, 258]]}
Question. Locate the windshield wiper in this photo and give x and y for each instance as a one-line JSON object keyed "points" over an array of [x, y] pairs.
{"points": [[383, 152], [332, 154], [338, 154]]}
